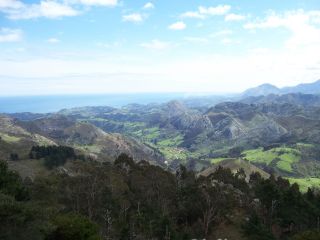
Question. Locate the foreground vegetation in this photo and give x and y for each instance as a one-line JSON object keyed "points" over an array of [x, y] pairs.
{"points": [[85, 199]]}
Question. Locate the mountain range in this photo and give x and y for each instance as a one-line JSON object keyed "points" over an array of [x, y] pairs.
{"points": [[277, 133], [266, 89]]}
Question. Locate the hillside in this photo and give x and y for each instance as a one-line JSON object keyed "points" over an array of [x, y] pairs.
{"points": [[234, 165], [242, 156], [89, 200], [177, 134], [19, 136]]}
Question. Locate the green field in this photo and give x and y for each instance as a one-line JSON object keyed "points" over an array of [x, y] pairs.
{"points": [[171, 142], [147, 134], [282, 157], [9, 139], [217, 160], [305, 183], [172, 153]]}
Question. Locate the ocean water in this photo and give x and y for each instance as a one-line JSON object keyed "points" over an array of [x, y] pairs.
{"points": [[53, 103]]}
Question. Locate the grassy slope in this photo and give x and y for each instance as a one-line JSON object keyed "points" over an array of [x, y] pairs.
{"points": [[9, 138], [28, 168], [235, 164], [286, 159], [305, 183], [282, 157], [166, 143], [217, 160]]}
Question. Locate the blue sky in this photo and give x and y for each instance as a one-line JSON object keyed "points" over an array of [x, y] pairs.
{"points": [[102, 46]]}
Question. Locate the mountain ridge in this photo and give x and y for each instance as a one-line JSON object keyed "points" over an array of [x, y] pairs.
{"points": [[266, 89]]}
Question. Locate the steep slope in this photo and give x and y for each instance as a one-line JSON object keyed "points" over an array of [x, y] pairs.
{"points": [[181, 134], [89, 138], [238, 124], [15, 139]]}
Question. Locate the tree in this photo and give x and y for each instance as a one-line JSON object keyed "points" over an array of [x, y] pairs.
{"points": [[235, 152], [72, 226], [22, 220], [14, 157], [11, 183], [307, 235], [254, 229], [54, 156]]}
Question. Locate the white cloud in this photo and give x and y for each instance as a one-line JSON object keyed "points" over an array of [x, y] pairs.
{"points": [[14, 4], [218, 10], [99, 2], [148, 5], [273, 20], [178, 26], [46, 8], [154, 71], [234, 17], [191, 14], [53, 40], [204, 12], [10, 35], [299, 23], [134, 17], [315, 16], [15, 9], [156, 45]]}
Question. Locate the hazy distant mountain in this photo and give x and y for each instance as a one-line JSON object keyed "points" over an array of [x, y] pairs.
{"points": [[310, 88], [300, 99], [266, 89]]}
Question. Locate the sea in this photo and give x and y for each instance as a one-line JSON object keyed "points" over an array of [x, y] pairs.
{"points": [[54, 103]]}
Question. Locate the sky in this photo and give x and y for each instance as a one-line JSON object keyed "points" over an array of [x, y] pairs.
{"points": [[122, 46]]}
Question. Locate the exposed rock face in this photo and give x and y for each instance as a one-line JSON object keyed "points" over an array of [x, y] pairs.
{"points": [[242, 123]]}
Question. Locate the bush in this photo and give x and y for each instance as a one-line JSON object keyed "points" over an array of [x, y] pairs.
{"points": [[54, 156], [72, 226], [308, 235], [11, 183]]}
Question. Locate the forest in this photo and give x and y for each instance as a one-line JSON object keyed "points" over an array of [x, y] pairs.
{"points": [[87, 199]]}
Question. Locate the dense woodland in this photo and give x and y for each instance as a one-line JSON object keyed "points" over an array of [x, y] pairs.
{"points": [[86, 199]]}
